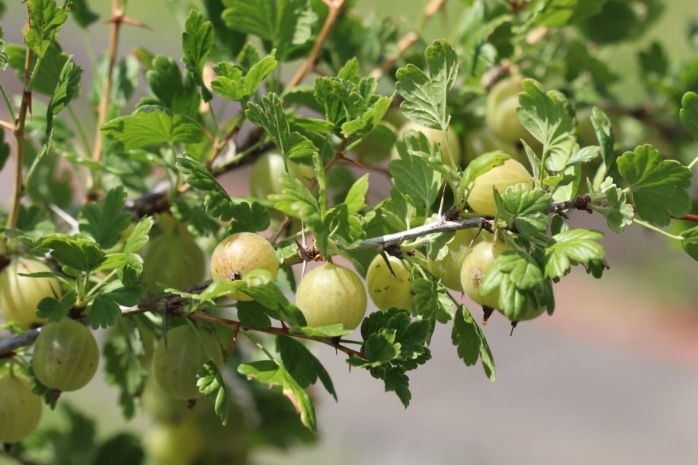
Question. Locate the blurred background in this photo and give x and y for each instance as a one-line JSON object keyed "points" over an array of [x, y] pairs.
{"points": [[612, 377]]}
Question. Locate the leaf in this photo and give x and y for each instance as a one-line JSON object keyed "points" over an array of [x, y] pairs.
{"points": [[517, 276], [548, 117], [689, 113], [411, 173], [119, 449], [690, 242], [55, 310], [82, 15], [465, 337], [658, 186], [271, 373], [571, 248], [174, 93], [604, 133], [139, 236], [305, 368], [296, 200], [432, 301], [123, 367], [523, 207], [270, 116], [558, 13], [4, 60], [78, 253], [285, 23], [197, 42], [152, 125], [45, 20], [67, 89], [106, 222], [105, 310], [251, 314], [232, 82], [425, 92], [618, 211], [217, 201], [211, 384]]}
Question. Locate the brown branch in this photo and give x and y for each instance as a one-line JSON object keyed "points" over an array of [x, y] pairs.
{"points": [[25, 107], [116, 21], [336, 8], [279, 331]]}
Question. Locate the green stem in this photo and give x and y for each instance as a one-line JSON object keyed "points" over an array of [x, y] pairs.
{"points": [[657, 230]]}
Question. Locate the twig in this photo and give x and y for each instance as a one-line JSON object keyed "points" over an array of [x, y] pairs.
{"points": [[283, 331], [336, 8], [8, 345], [25, 106]]}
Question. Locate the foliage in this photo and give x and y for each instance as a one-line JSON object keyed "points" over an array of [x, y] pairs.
{"points": [[89, 206]]}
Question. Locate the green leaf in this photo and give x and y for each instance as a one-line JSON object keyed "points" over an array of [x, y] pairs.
{"points": [[104, 312], [689, 113], [396, 381], [296, 200], [270, 116], [558, 13], [232, 82], [46, 71], [251, 217], [106, 222], [287, 24], [55, 310], [615, 207], [604, 133], [465, 337], [690, 242], [45, 20], [523, 207], [271, 373], [119, 449], [432, 301], [571, 248], [658, 186], [4, 149], [251, 314], [67, 89], [270, 296], [123, 368], [197, 42], [152, 125], [4, 60], [411, 174], [425, 92], [548, 116], [305, 368], [82, 15], [76, 252], [217, 201], [517, 276], [177, 95], [211, 384], [139, 236]]}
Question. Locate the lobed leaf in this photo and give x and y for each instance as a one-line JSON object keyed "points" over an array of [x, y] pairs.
{"points": [[426, 92], [286, 24], [305, 368], [197, 42], [569, 248], [659, 186], [271, 373], [152, 125], [105, 223], [548, 117]]}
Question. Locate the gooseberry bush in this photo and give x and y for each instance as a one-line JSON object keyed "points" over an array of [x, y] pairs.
{"points": [[429, 169]]}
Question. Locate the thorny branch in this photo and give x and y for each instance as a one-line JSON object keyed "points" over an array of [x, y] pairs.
{"points": [[173, 303]]}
